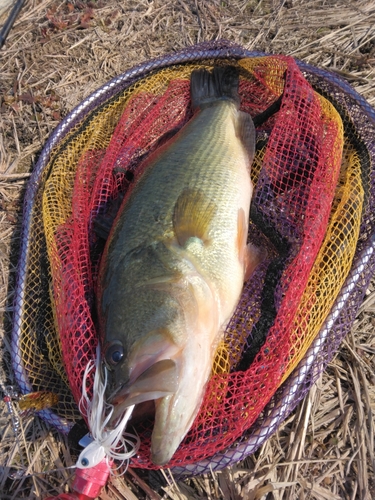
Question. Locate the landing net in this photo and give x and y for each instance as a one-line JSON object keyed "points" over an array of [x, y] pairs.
{"points": [[312, 210]]}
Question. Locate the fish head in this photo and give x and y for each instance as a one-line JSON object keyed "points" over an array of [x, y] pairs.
{"points": [[158, 344], [143, 330]]}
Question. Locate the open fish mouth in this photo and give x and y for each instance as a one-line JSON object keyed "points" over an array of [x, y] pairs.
{"points": [[158, 381]]}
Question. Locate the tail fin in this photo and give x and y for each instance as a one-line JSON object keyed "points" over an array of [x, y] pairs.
{"points": [[207, 87]]}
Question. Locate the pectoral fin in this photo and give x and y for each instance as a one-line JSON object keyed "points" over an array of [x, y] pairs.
{"points": [[192, 216]]}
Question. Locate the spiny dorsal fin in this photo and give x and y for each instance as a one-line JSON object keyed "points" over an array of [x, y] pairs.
{"points": [[192, 216]]}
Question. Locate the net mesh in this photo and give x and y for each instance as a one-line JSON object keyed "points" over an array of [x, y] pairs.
{"points": [[312, 210]]}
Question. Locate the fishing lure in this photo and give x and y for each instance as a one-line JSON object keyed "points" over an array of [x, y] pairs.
{"points": [[108, 444]]}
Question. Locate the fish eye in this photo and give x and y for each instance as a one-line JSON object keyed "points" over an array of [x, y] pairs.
{"points": [[114, 353]]}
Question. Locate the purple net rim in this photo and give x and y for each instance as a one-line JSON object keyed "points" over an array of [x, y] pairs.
{"points": [[290, 390]]}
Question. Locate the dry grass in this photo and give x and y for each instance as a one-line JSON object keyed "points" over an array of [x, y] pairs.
{"points": [[53, 59]]}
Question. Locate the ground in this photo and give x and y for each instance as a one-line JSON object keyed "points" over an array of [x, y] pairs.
{"points": [[57, 53]]}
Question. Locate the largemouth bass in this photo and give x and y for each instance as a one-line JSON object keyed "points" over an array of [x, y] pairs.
{"points": [[175, 262]]}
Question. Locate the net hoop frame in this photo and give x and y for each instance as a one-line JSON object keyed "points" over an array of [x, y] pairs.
{"points": [[306, 373]]}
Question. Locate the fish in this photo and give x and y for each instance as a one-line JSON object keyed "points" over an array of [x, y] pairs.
{"points": [[175, 262]]}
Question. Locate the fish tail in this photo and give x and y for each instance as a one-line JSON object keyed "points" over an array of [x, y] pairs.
{"points": [[218, 84]]}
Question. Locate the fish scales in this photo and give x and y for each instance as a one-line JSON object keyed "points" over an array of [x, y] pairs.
{"points": [[197, 162], [175, 262]]}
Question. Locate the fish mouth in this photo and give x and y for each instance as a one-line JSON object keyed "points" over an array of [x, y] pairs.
{"points": [[140, 413], [119, 395], [157, 381]]}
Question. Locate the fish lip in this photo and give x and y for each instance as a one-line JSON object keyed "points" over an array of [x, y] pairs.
{"points": [[118, 396], [117, 400]]}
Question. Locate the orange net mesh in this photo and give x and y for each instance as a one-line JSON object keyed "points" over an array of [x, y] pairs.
{"points": [[306, 211]]}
